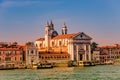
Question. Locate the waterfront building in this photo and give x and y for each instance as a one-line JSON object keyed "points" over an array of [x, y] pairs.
{"points": [[11, 55], [64, 46], [113, 51], [96, 55], [106, 54], [30, 55]]}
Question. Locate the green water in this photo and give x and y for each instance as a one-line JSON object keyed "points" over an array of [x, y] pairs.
{"points": [[104, 72]]}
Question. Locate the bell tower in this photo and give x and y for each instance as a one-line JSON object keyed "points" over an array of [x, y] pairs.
{"points": [[51, 26], [47, 33], [64, 29]]}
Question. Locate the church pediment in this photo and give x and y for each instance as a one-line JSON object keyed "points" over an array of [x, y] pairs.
{"points": [[82, 36]]}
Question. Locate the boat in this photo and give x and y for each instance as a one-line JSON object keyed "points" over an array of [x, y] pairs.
{"points": [[45, 66], [109, 62], [85, 63], [80, 63], [6, 68]]}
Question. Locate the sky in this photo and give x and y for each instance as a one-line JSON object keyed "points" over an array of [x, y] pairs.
{"points": [[24, 20]]}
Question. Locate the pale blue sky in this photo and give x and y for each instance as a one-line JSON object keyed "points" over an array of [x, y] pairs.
{"points": [[24, 20]]}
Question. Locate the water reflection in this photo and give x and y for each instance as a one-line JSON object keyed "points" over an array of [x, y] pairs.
{"points": [[104, 72]]}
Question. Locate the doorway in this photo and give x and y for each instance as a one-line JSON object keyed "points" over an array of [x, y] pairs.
{"points": [[81, 58]]}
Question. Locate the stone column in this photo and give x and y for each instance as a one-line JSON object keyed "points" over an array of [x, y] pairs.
{"points": [[85, 52], [70, 50], [77, 49], [89, 54], [72, 53], [26, 60]]}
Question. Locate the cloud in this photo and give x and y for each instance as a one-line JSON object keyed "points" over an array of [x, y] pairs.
{"points": [[10, 3]]}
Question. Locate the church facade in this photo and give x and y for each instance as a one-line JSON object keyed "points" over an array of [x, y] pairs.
{"points": [[57, 47]]}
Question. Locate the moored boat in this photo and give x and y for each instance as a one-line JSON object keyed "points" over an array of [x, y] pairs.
{"points": [[85, 63], [45, 65]]}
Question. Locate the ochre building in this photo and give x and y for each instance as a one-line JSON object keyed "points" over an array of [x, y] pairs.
{"points": [[54, 46]]}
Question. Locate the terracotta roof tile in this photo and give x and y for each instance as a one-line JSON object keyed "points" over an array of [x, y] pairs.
{"points": [[23, 47], [40, 39], [65, 36], [17, 47], [110, 47]]}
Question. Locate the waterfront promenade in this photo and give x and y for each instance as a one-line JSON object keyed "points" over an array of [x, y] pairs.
{"points": [[101, 72]]}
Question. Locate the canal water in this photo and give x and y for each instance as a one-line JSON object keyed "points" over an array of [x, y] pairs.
{"points": [[102, 72]]}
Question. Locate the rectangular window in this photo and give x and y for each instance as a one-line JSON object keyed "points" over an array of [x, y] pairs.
{"points": [[0, 53], [15, 59], [20, 58], [7, 59]]}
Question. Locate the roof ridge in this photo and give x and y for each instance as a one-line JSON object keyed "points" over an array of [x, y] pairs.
{"points": [[40, 39], [65, 36]]}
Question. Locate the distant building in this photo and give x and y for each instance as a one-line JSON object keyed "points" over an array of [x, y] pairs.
{"points": [[57, 47], [113, 51], [106, 54], [96, 55], [11, 55], [30, 55]]}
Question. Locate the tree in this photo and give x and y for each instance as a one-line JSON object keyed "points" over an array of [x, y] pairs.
{"points": [[93, 46], [29, 43]]}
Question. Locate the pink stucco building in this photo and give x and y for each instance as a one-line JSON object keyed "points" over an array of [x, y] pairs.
{"points": [[11, 55]]}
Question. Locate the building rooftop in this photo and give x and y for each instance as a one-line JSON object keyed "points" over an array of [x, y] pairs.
{"points": [[40, 39], [65, 36], [110, 47]]}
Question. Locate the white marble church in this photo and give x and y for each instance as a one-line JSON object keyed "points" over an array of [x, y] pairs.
{"points": [[54, 46]]}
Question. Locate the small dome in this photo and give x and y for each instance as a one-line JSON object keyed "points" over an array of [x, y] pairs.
{"points": [[54, 33]]}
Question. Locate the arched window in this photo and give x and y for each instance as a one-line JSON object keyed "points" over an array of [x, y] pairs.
{"points": [[60, 43], [32, 51], [36, 45], [53, 43], [40, 44]]}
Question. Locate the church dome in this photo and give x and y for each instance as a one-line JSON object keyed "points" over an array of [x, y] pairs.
{"points": [[54, 33]]}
